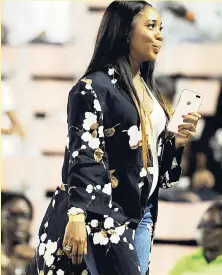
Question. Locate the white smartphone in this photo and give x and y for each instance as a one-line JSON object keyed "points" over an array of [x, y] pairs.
{"points": [[188, 102]]}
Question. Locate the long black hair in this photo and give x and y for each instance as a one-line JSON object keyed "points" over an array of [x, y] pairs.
{"points": [[112, 48]]}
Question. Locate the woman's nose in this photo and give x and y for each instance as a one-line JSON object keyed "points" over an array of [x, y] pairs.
{"points": [[159, 35]]}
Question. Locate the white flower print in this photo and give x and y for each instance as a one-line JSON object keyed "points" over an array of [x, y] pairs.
{"points": [[75, 154], [109, 222], [98, 238], [111, 71], [174, 163], [89, 188], [98, 187], [42, 249], [37, 242], [135, 136], [94, 223], [50, 272], [131, 247], [94, 143], [93, 197], [56, 192], [100, 131], [88, 229], [143, 173], [49, 259], [97, 105], [51, 247], [113, 81], [140, 185], [107, 189], [120, 230], [53, 203], [116, 209], [89, 120], [167, 176], [43, 237], [151, 170], [110, 204], [114, 238], [86, 137], [125, 239], [46, 224], [83, 147], [88, 87], [159, 151], [85, 272], [60, 272], [83, 92]]}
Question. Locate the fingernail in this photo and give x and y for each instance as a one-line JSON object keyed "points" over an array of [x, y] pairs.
{"points": [[183, 115], [189, 113]]}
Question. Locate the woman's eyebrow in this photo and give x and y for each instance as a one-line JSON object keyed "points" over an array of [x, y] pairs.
{"points": [[153, 21]]}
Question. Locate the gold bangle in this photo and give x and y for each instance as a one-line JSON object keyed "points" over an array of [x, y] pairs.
{"points": [[76, 217]]}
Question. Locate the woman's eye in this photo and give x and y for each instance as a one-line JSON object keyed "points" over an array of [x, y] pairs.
{"points": [[161, 28], [151, 26]]}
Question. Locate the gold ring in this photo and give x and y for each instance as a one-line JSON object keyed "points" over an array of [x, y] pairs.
{"points": [[67, 248]]}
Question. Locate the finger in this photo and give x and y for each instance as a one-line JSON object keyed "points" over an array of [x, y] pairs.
{"points": [[187, 133], [85, 248], [191, 119], [73, 254], [65, 241], [195, 114], [80, 252], [190, 126]]}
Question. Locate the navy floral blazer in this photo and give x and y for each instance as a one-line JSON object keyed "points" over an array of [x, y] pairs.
{"points": [[103, 167]]}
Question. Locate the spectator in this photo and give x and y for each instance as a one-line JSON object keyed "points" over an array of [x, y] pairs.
{"points": [[186, 21], [207, 260], [17, 213], [203, 181], [38, 21], [10, 123]]}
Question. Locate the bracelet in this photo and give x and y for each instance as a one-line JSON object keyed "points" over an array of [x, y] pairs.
{"points": [[73, 211], [77, 218]]}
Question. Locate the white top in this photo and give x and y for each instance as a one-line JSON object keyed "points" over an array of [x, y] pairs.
{"points": [[158, 121]]}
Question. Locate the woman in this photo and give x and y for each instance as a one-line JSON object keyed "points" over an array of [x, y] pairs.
{"points": [[112, 169], [17, 213]]}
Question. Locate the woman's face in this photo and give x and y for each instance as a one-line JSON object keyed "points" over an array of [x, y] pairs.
{"points": [[16, 220], [145, 36]]}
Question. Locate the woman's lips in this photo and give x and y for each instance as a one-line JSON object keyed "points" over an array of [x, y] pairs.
{"points": [[156, 49]]}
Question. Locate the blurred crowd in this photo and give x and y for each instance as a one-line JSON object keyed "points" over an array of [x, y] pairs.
{"points": [[59, 24]]}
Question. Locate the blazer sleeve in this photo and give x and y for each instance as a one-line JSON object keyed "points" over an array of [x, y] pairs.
{"points": [[89, 185], [170, 166]]}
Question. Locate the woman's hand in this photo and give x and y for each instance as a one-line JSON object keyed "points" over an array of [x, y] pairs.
{"points": [[187, 131], [75, 238]]}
